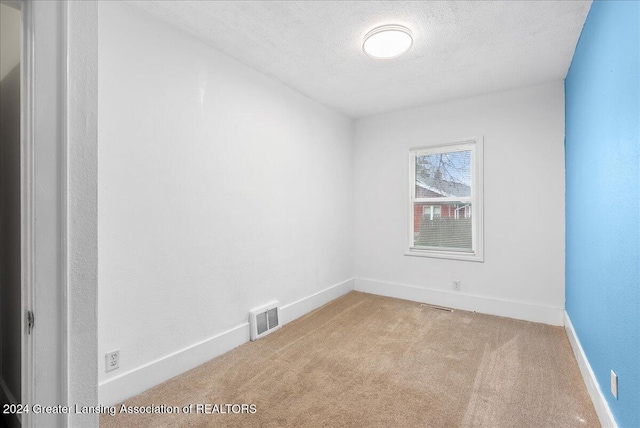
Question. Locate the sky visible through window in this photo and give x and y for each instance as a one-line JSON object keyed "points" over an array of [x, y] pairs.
{"points": [[449, 166]]}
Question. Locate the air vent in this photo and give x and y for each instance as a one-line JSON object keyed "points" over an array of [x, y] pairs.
{"points": [[439, 308], [264, 320]]}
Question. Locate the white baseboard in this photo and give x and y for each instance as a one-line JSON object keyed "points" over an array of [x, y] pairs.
{"points": [[593, 387], [140, 379], [464, 301], [307, 304], [136, 381], [7, 397]]}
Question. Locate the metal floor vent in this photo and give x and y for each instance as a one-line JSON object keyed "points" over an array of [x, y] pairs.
{"points": [[264, 320], [439, 308]]}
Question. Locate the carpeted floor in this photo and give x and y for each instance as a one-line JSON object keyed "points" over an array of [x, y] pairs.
{"points": [[370, 361]]}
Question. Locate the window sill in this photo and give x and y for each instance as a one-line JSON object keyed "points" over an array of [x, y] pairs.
{"points": [[468, 257]]}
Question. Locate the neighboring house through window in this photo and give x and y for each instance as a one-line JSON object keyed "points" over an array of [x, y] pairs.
{"points": [[446, 201], [432, 211]]}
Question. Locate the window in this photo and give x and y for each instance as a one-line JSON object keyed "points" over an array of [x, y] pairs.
{"points": [[432, 211], [445, 206]]}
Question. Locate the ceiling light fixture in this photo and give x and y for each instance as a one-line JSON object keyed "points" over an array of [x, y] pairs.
{"points": [[388, 41]]}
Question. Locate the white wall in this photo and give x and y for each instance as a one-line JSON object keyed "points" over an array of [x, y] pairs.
{"points": [[219, 190], [82, 209], [523, 272]]}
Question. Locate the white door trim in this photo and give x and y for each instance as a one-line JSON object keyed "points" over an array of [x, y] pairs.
{"points": [[44, 210], [27, 182], [59, 202]]}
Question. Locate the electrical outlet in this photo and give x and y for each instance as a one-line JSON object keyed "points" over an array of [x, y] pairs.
{"points": [[614, 384], [456, 285], [112, 360]]}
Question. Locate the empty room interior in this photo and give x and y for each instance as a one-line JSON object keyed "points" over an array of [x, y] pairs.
{"points": [[340, 213]]}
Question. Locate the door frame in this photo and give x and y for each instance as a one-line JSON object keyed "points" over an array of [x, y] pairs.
{"points": [[44, 368], [26, 200], [59, 208]]}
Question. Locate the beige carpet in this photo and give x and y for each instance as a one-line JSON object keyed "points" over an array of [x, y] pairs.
{"points": [[371, 361]]}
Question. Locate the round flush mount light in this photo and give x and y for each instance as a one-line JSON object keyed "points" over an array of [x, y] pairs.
{"points": [[388, 41]]}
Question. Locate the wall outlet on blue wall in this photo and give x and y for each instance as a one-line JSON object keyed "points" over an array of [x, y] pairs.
{"points": [[614, 384]]}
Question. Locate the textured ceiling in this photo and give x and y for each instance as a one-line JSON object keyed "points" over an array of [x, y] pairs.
{"points": [[461, 48]]}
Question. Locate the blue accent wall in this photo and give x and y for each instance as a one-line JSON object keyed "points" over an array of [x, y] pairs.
{"points": [[602, 149]]}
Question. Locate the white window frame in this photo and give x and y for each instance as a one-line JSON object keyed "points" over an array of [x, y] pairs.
{"points": [[476, 146]]}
